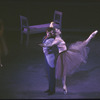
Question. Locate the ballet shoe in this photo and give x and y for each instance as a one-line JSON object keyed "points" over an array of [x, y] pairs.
{"points": [[94, 33], [65, 91], [51, 93]]}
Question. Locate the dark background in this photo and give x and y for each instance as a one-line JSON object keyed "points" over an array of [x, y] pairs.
{"points": [[77, 14]]}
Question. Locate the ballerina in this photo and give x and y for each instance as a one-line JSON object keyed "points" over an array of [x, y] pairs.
{"points": [[69, 59]]}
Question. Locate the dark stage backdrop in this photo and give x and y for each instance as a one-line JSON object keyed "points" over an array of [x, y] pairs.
{"points": [[76, 13]]}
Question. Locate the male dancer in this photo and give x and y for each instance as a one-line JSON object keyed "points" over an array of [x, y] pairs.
{"points": [[50, 55]]}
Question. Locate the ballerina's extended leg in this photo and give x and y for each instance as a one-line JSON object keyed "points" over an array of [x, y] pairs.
{"points": [[90, 37]]}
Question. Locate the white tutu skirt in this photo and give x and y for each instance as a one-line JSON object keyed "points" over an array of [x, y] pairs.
{"points": [[68, 61]]}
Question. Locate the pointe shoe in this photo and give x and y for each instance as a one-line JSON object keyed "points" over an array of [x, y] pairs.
{"points": [[94, 33], [65, 90]]}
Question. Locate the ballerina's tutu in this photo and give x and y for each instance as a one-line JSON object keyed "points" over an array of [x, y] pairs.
{"points": [[68, 61]]}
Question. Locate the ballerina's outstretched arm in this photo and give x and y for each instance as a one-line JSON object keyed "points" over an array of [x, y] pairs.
{"points": [[51, 24]]}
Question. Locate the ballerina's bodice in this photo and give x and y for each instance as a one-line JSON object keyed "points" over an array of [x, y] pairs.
{"points": [[60, 44]]}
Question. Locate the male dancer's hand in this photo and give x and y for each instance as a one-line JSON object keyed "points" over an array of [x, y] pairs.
{"points": [[42, 45]]}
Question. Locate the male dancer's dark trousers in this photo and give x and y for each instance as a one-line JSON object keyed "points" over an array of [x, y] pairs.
{"points": [[51, 77]]}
